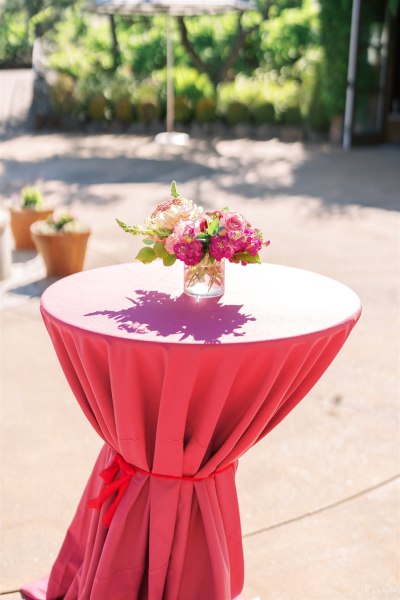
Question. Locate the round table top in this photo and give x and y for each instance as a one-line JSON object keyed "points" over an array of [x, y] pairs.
{"points": [[146, 302]]}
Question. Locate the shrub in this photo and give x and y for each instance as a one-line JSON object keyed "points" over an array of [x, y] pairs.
{"points": [[188, 82], [266, 100], [124, 110], [148, 111], [237, 112], [291, 116], [206, 110], [149, 89], [263, 113], [246, 90], [63, 95], [183, 109], [97, 107], [192, 84]]}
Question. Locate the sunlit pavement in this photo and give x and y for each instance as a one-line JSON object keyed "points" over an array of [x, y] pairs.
{"points": [[319, 496]]}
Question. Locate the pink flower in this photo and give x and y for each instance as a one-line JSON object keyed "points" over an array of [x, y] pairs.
{"points": [[170, 242], [200, 225], [232, 221], [221, 247], [190, 252], [254, 244], [237, 239], [184, 228]]}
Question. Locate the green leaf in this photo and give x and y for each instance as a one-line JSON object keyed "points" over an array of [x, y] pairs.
{"points": [[146, 255], [160, 250], [174, 191], [213, 227], [169, 260], [148, 242], [248, 258], [393, 5]]}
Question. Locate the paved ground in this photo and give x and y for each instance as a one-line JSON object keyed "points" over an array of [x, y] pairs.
{"points": [[321, 521]]}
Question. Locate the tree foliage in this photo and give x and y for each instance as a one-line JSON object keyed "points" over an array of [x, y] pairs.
{"points": [[335, 20], [298, 46]]}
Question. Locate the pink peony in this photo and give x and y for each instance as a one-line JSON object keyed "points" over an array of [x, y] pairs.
{"points": [[184, 228], [232, 221]]}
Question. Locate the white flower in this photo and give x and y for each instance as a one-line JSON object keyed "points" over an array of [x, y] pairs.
{"points": [[167, 214]]}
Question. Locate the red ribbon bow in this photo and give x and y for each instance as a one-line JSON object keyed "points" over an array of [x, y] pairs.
{"points": [[119, 485], [112, 485]]}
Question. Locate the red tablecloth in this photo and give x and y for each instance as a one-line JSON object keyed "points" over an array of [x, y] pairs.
{"points": [[180, 389]]}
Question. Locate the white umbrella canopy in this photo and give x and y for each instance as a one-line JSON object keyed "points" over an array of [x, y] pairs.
{"points": [[171, 8], [177, 8]]}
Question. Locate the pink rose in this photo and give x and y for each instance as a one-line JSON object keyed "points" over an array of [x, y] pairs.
{"points": [[232, 221]]}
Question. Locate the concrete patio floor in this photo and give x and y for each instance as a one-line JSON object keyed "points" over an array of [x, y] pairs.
{"points": [[319, 496]]}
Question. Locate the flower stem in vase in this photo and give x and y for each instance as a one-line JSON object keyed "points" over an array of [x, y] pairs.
{"points": [[206, 279]]}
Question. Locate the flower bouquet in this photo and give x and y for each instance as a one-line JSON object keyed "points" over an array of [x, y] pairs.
{"points": [[179, 229]]}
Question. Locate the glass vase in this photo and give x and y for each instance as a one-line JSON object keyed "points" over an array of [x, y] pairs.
{"points": [[206, 279]]}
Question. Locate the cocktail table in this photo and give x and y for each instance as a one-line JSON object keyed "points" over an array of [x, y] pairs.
{"points": [[179, 389]]}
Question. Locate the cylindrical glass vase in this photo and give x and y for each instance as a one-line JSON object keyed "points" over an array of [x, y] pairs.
{"points": [[206, 279]]}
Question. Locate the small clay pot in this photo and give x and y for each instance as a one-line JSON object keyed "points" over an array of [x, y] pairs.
{"points": [[21, 221], [63, 252]]}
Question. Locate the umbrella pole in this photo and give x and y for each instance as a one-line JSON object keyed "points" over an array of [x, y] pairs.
{"points": [[170, 77], [351, 75]]}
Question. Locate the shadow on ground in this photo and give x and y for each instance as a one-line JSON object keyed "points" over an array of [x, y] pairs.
{"points": [[315, 171]]}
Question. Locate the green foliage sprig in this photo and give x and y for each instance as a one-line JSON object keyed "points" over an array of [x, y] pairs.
{"points": [[31, 198]]}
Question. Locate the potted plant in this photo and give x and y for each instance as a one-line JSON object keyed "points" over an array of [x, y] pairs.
{"points": [[62, 241], [29, 208]]}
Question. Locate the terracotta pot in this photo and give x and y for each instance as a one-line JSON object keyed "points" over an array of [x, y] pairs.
{"points": [[63, 253], [21, 221]]}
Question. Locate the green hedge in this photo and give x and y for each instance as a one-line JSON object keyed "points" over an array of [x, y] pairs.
{"points": [[107, 97]]}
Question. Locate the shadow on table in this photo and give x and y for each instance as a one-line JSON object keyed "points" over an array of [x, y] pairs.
{"points": [[205, 320]]}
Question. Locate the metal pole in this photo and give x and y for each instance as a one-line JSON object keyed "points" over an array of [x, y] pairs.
{"points": [[170, 77], [384, 41], [351, 75]]}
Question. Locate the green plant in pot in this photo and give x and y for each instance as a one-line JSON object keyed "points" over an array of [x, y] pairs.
{"points": [[62, 241], [27, 208]]}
